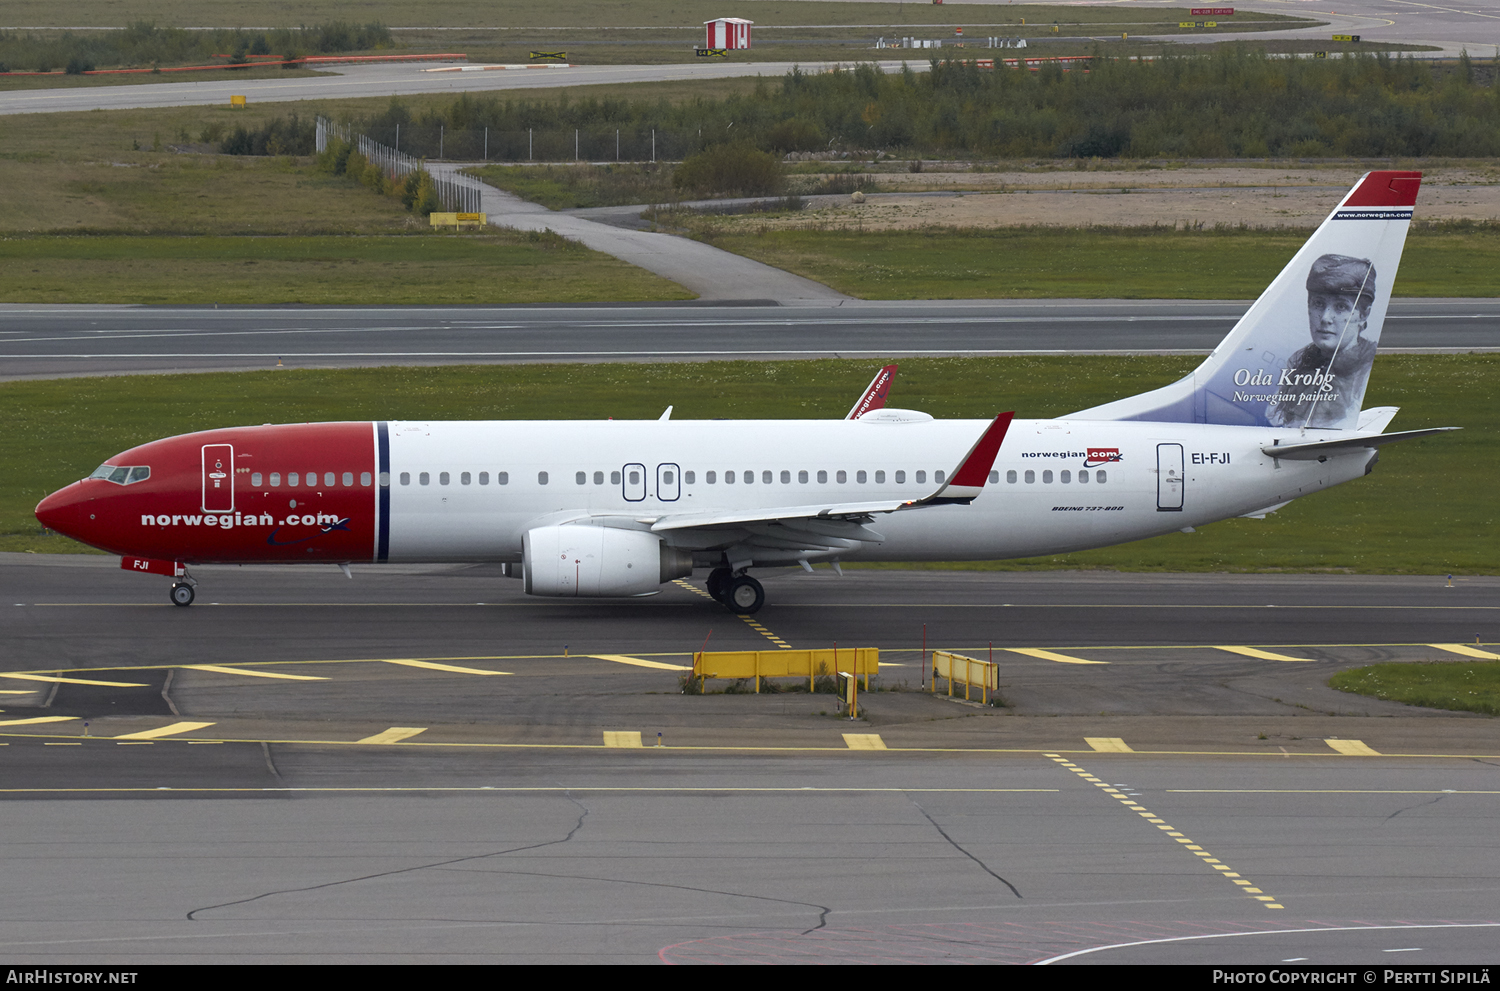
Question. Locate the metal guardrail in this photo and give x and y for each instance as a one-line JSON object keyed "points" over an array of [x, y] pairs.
{"points": [[811, 664], [969, 670]]}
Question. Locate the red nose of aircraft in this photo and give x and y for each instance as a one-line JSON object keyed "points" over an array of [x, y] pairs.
{"points": [[63, 509]]}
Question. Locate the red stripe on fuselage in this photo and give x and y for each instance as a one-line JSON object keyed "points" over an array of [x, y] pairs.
{"points": [[269, 523]]}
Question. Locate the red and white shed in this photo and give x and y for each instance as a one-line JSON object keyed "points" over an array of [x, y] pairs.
{"points": [[728, 32]]}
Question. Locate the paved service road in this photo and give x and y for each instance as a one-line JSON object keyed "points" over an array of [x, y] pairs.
{"points": [[46, 341], [406, 768]]}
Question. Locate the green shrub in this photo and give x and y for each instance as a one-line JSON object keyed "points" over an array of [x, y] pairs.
{"points": [[732, 169]]}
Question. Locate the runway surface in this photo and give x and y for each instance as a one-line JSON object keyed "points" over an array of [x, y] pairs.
{"points": [[422, 764], [48, 341]]}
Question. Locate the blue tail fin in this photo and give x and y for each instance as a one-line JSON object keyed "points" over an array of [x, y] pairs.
{"points": [[1301, 355]]}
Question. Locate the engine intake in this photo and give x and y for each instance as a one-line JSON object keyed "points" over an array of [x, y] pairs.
{"points": [[587, 561]]}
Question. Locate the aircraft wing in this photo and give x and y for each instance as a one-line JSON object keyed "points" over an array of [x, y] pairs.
{"points": [[961, 487], [1321, 449]]}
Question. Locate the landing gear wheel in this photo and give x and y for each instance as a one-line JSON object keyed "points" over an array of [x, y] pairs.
{"points": [[182, 595], [745, 596], [718, 583]]}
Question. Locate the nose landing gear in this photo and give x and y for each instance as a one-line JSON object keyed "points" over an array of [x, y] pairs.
{"points": [[182, 593]]}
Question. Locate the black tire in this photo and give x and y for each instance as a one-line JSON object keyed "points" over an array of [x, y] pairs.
{"points": [[745, 596], [182, 595], [718, 583]]}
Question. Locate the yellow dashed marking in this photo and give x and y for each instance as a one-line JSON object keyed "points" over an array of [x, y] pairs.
{"points": [[34, 720], [1204, 857], [637, 662], [394, 735], [622, 738], [1353, 748], [74, 681], [1264, 655], [766, 633], [451, 668], [1049, 655], [691, 587], [246, 672], [161, 731], [1466, 650], [864, 741], [19, 691], [1108, 744]]}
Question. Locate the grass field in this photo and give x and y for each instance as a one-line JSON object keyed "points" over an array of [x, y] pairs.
{"points": [[1428, 508], [499, 267], [516, 14], [1465, 686], [1093, 263]]}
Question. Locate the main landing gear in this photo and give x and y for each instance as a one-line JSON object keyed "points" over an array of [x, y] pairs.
{"points": [[740, 593]]}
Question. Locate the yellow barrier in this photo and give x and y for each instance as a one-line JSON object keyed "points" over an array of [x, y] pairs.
{"points": [[236, 101], [458, 219], [957, 667], [760, 664]]}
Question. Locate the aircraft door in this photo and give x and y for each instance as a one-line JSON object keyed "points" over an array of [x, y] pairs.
{"points": [[1169, 478], [668, 483], [218, 478], [633, 482]]}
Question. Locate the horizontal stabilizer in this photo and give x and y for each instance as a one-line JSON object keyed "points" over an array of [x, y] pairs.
{"points": [[1320, 449]]}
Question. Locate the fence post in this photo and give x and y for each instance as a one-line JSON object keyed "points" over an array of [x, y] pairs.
{"points": [[575, 144], [486, 144], [398, 139], [528, 144], [442, 129], [653, 146], [617, 144]]}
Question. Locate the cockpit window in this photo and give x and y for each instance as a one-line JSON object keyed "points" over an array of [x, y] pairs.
{"points": [[122, 474]]}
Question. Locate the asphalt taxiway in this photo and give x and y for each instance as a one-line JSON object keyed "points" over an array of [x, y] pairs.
{"points": [[51, 341], [423, 764]]}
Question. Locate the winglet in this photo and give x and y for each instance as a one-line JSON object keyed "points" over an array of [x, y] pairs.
{"points": [[967, 480], [875, 393]]}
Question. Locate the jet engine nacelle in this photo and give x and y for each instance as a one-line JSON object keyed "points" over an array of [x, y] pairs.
{"points": [[582, 560]]}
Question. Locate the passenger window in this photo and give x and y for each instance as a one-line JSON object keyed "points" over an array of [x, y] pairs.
{"points": [[424, 479], [786, 477], [842, 476], [1010, 477], [635, 478], [349, 479], [385, 480], [406, 478], [938, 477], [1065, 477], [994, 477], [291, 479], [880, 478], [729, 478], [1046, 478], [275, 479], [1030, 477], [255, 479], [465, 479], [1100, 477], [582, 477], [614, 478], [709, 477], [442, 478], [921, 477], [328, 479], [1083, 477], [822, 477], [765, 477], [484, 478], [541, 478], [598, 478], [666, 477], [502, 478], [364, 479], [860, 476], [802, 476], [750, 478], [688, 477], [900, 478]]}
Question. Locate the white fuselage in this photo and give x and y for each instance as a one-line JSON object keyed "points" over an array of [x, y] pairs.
{"points": [[1057, 485]]}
